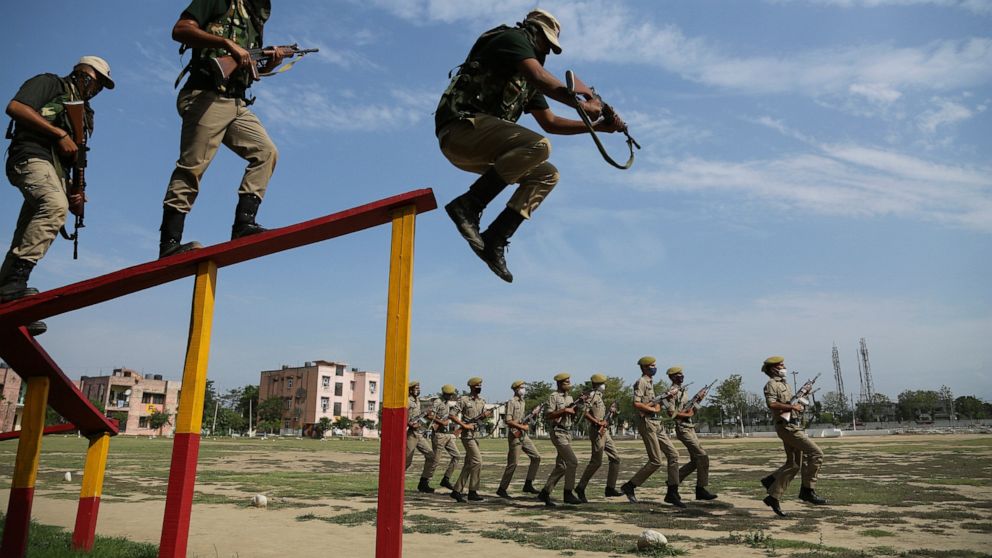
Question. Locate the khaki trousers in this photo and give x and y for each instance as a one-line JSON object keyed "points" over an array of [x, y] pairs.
{"points": [[565, 464], [518, 154], [516, 445], [472, 469], [656, 443], [601, 443], [415, 442], [698, 460], [445, 441], [209, 120], [800, 454], [44, 209]]}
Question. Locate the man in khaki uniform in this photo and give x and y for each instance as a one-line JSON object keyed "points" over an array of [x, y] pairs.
{"points": [[41, 152], [800, 451], [561, 413], [443, 438], [685, 430], [518, 439], [655, 437], [415, 440], [475, 123], [214, 113], [471, 407], [602, 442]]}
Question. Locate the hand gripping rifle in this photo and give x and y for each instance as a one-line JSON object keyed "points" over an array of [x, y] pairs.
{"points": [[529, 420], [415, 422], [801, 397], [75, 110], [608, 417], [665, 395], [697, 399], [222, 67], [580, 400], [575, 88], [478, 418]]}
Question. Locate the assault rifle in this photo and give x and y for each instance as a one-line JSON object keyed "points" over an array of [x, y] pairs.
{"points": [[608, 417], [801, 397], [478, 418], [576, 88], [414, 423], [697, 399], [222, 67], [529, 420], [76, 112], [665, 395], [580, 400]]}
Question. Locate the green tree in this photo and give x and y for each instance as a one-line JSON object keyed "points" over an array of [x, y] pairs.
{"points": [[322, 426], [730, 398], [971, 407], [270, 412], [158, 420], [913, 404], [248, 400], [836, 405], [343, 423]]}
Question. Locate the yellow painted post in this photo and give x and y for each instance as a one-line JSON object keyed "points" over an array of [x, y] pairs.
{"points": [[396, 371], [15, 532], [186, 446], [89, 495]]}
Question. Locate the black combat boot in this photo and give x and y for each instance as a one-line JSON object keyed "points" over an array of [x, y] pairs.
{"points": [[546, 498], [497, 238], [703, 494], [502, 493], [425, 486], [244, 216], [772, 503], [767, 481], [570, 498], [612, 492], [474, 496], [446, 483], [809, 495], [14, 286], [529, 487], [580, 491], [673, 497], [628, 490], [457, 496], [170, 241], [466, 210]]}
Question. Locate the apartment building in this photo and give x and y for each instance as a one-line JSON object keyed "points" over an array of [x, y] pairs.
{"points": [[11, 399], [132, 398], [321, 389]]}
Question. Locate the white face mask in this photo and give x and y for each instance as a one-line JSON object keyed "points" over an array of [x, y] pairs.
{"points": [[602, 387], [782, 372], [521, 392]]}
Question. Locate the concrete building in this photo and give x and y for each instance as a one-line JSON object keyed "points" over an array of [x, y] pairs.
{"points": [[321, 389], [11, 399], [132, 398]]}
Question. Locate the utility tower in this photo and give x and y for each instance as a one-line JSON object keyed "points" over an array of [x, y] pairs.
{"points": [[837, 375], [867, 385]]}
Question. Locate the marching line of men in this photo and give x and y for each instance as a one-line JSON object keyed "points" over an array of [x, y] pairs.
{"points": [[450, 417]]}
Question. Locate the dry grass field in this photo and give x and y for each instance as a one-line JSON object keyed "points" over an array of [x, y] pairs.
{"points": [[889, 496]]}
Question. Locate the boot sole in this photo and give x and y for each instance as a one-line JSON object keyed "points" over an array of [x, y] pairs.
{"points": [[473, 237]]}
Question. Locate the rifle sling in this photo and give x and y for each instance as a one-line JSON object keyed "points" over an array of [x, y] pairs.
{"points": [[599, 145]]}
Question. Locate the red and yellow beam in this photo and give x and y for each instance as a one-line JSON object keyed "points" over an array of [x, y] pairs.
{"points": [[15, 531], [186, 446], [392, 450], [89, 495]]}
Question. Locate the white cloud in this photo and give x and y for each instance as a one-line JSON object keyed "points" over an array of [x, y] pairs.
{"points": [[877, 93], [310, 107], [946, 112], [983, 7]]}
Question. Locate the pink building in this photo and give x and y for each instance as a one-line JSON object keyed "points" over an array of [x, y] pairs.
{"points": [[11, 399], [132, 399], [321, 389]]}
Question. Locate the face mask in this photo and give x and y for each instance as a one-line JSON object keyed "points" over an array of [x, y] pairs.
{"points": [[782, 372], [602, 387], [651, 370], [521, 392]]}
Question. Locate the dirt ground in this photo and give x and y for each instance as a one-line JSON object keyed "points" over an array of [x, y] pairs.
{"points": [[908, 495]]}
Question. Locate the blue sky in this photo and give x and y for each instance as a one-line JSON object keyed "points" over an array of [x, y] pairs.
{"points": [[813, 172]]}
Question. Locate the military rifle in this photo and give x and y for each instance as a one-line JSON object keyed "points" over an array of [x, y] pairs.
{"points": [[528, 420], [608, 417], [478, 418], [575, 88], [76, 113], [415, 422], [580, 400], [665, 395], [697, 399], [222, 67], [802, 398]]}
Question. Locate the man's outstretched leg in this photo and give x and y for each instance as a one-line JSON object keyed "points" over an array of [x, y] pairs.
{"points": [[496, 239], [466, 210]]}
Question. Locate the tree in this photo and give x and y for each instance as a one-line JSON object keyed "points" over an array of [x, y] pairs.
{"points": [[730, 398], [971, 407], [248, 400], [158, 420], [322, 426], [343, 423], [946, 398], [913, 404], [270, 414]]}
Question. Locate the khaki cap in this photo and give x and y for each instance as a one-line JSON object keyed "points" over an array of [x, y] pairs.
{"points": [[517, 384], [774, 360], [561, 377], [101, 67], [674, 370], [415, 383], [647, 361], [474, 381], [549, 25], [448, 389], [598, 379]]}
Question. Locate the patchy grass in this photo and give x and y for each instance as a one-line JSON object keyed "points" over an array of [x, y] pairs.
{"points": [[875, 533], [55, 542], [560, 538]]}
